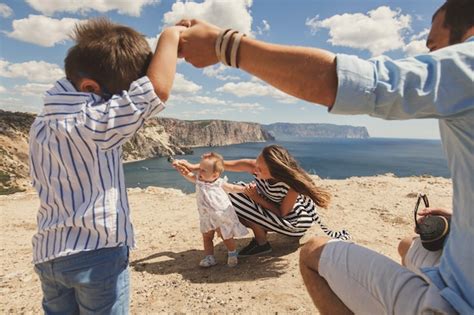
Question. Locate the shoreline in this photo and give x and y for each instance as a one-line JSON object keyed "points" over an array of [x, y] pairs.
{"points": [[31, 191]]}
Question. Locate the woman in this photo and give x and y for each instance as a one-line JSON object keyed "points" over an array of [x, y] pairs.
{"points": [[282, 199]]}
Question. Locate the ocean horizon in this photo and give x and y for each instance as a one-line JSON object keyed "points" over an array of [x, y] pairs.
{"points": [[326, 158]]}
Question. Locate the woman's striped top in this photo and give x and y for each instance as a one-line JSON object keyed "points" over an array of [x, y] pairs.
{"points": [[295, 223]]}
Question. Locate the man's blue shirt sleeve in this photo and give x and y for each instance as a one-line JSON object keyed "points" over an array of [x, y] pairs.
{"points": [[426, 86]]}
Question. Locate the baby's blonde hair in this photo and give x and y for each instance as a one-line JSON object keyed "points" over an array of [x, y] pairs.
{"points": [[218, 161]]}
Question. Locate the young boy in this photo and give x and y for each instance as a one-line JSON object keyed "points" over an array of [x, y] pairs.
{"points": [[114, 82]]}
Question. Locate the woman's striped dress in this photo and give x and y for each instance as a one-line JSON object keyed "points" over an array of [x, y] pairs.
{"points": [[294, 223]]}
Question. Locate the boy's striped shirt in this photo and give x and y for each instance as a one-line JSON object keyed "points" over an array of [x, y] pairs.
{"points": [[76, 167]]}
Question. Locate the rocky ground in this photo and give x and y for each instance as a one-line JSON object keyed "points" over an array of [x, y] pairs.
{"points": [[164, 268]]}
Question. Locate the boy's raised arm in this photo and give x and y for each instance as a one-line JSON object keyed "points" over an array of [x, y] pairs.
{"points": [[162, 69]]}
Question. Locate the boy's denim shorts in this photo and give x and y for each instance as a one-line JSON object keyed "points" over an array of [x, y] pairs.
{"points": [[90, 282]]}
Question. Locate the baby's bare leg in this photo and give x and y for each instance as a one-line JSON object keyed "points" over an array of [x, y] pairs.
{"points": [[230, 244], [208, 244]]}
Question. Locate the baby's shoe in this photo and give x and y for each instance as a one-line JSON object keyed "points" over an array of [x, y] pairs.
{"points": [[232, 260], [208, 261]]}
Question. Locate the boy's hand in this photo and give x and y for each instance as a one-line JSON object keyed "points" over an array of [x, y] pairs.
{"points": [[197, 43]]}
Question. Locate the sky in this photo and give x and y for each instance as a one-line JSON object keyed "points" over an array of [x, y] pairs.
{"points": [[34, 42]]}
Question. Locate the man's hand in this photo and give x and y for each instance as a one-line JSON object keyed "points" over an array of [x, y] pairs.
{"points": [[447, 213], [197, 43]]}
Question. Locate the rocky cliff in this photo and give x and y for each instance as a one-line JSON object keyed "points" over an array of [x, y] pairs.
{"points": [[165, 136], [287, 131], [158, 137], [14, 128]]}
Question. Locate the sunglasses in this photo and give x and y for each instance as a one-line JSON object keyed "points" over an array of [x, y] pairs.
{"points": [[424, 197], [433, 229]]}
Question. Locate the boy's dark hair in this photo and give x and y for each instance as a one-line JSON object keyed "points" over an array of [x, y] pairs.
{"points": [[113, 55], [459, 17]]}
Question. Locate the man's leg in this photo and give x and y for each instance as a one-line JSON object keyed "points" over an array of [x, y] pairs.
{"points": [[365, 282], [323, 297], [404, 246], [415, 256]]}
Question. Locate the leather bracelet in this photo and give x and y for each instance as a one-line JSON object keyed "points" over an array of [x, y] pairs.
{"points": [[234, 51], [219, 42], [225, 43]]}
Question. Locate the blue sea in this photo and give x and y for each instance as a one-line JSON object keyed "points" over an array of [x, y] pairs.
{"points": [[327, 158]]}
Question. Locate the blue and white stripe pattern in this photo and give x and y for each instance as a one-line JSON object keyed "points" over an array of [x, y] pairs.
{"points": [[295, 223], [76, 167]]}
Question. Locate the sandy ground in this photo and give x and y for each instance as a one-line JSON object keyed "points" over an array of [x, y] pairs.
{"points": [[164, 269]]}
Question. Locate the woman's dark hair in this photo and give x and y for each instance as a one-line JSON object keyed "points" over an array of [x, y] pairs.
{"points": [[111, 54], [284, 168], [459, 17]]}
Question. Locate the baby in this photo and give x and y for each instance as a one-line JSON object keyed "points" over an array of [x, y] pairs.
{"points": [[216, 213]]}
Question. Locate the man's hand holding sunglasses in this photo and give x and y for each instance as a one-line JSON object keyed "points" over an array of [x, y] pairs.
{"points": [[447, 213]]}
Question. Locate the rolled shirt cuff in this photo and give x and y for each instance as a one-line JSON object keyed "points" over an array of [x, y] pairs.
{"points": [[356, 85]]}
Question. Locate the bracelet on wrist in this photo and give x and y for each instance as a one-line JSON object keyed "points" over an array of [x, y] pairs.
{"points": [[226, 53]]}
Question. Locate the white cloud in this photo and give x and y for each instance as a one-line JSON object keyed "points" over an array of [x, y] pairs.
{"points": [[5, 10], [2, 89], [421, 35], [247, 107], [42, 30], [205, 113], [193, 99], [216, 72], [265, 28], [34, 71], [255, 88], [206, 100], [378, 31], [233, 14], [416, 47], [49, 7], [14, 104], [418, 44], [181, 85], [32, 89]]}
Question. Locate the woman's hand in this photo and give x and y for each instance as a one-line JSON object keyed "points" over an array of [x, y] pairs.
{"points": [[252, 192]]}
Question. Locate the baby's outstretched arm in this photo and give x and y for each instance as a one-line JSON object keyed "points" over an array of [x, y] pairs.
{"points": [[184, 171], [232, 188]]}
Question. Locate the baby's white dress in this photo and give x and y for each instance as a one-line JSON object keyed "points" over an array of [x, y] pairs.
{"points": [[216, 210]]}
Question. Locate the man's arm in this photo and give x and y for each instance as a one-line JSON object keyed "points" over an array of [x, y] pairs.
{"points": [[306, 73]]}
